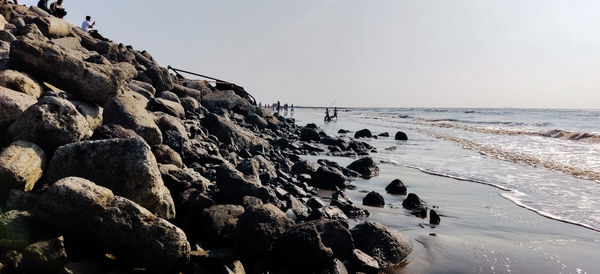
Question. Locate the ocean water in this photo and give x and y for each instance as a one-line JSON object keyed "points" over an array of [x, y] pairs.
{"points": [[547, 161]]}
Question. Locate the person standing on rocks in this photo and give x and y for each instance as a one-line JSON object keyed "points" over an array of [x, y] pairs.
{"points": [[57, 9], [87, 27], [278, 106], [43, 4]]}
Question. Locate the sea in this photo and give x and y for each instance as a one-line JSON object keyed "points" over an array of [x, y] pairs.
{"points": [[546, 161]]}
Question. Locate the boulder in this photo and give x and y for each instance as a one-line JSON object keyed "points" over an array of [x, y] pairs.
{"points": [[361, 262], [20, 82], [328, 212], [16, 228], [189, 103], [49, 255], [167, 95], [309, 134], [312, 246], [12, 105], [7, 36], [387, 246], [305, 167], [91, 112], [412, 201], [169, 107], [261, 224], [112, 131], [396, 187], [384, 134], [343, 131], [20, 200], [434, 218], [328, 178], [129, 111], [257, 121], [165, 155], [93, 216], [227, 100], [52, 26], [180, 179], [401, 136], [89, 81], [366, 167], [230, 133], [182, 92], [126, 166], [373, 199], [363, 133], [21, 166], [50, 123], [219, 223], [232, 185], [159, 76]]}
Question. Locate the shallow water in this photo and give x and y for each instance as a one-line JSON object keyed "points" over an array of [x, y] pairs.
{"points": [[492, 217]]}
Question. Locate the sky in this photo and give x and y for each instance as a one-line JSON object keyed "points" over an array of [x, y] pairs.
{"points": [[383, 53]]}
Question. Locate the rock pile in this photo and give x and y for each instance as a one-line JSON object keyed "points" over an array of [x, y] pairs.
{"points": [[108, 163]]}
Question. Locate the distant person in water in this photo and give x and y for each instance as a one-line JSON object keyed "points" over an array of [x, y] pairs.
{"points": [[335, 113], [278, 106], [57, 9], [327, 117], [43, 4], [292, 109]]}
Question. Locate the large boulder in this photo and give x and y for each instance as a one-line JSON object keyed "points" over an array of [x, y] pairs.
{"points": [[366, 167], [219, 223], [126, 166], [312, 246], [182, 92], [12, 105], [260, 224], [168, 107], [20, 82], [328, 178], [309, 134], [21, 166], [53, 26], [92, 215], [396, 187], [91, 112], [225, 100], [17, 228], [374, 199], [387, 246], [50, 123], [68, 71], [363, 133], [230, 133], [129, 111], [165, 155], [45, 256]]}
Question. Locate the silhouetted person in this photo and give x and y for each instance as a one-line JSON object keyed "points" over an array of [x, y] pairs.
{"points": [[327, 117], [292, 108], [57, 9], [335, 113], [43, 4], [278, 106]]}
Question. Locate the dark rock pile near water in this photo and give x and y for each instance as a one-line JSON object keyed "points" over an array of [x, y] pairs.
{"points": [[108, 163]]}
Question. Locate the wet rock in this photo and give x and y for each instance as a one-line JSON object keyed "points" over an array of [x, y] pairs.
{"points": [[126, 166], [89, 81], [350, 210], [300, 210], [412, 201], [219, 223], [387, 246], [384, 134], [129, 111], [373, 199], [22, 164], [328, 178], [434, 218], [261, 224], [93, 216], [230, 133], [363, 133], [112, 131], [396, 187], [12, 105], [401, 136], [50, 123], [366, 167], [312, 246], [361, 262], [20, 82], [165, 155], [310, 134], [315, 203], [48, 255]]}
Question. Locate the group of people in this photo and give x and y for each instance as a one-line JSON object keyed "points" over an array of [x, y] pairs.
{"points": [[328, 118], [56, 8], [277, 107]]}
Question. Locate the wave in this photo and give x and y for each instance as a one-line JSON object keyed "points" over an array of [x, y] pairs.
{"points": [[455, 177], [555, 133], [515, 156]]}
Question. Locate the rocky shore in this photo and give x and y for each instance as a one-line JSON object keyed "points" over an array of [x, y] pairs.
{"points": [[109, 163]]}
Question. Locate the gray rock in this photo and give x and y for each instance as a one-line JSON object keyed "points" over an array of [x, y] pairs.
{"points": [[51, 25], [230, 133], [388, 247], [366, 167], [227, 100], [189, 103], [180, 179], [182, 92], [22, 164], [128, 110], [126, 166], [50, 123], [89, 81], [91, 112], [328, 212], [361, 262], [257, 121], [12, 105], [112, 131], [167, 95], [169, 107], [20, 82], [7, 36], [92, 215], [261, 224]]}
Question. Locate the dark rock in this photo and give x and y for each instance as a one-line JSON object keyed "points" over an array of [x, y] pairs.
{"points": [[305, 167], [183, 91], [180, 179], [384, 134], [126, 166], [363, 133], [328, 212], [412, 201], [20, 82], [219, 223], [350, 210], [48, 255], [434, 218], [309, 134], [315, 203], [92, 216], [401, 136], [373, 199], [230, 133], [112, 131], [311, 125], [388, 247], [165, 155], [227, 100], [129, 111], [256, 120], [361, 262], [167, 95], [20, 200], [300, 210], [396, 187], [311, 246], [342, 131], [17, 228], [169, 107], [366, 167], [189, 104], [261, 224], [251, 201], [328, 178]]}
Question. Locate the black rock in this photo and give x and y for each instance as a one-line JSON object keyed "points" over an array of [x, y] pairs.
{"points": [[366, 167], [434, 218], [361, 262], [385, 134], [387, 246], [373, 199], [396, 187], [401, 136], [363, 133], [328, 178], [412, 201], [342, 131], [309, 134], [311, 125]]}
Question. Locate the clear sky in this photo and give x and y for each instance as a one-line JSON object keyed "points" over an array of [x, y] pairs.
{"points": [[417, 53]]}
